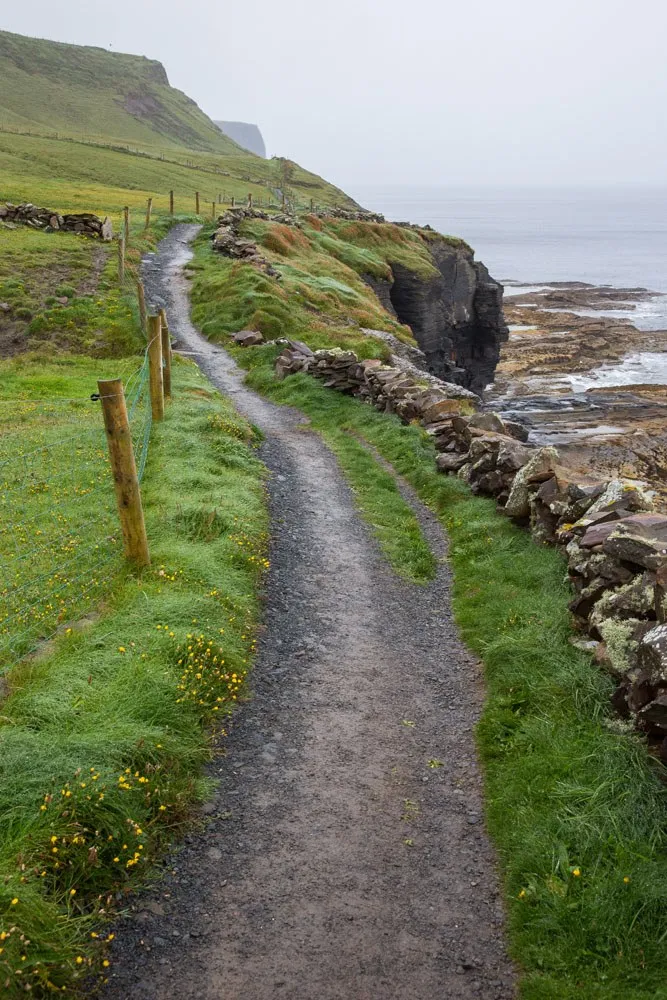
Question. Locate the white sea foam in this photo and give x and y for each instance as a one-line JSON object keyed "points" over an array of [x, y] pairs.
{"points": [[643, 368]]}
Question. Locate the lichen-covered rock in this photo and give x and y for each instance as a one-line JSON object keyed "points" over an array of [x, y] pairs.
{"points": [[621, 644], [540, 465], [621, 493], [632, 600], [637, 549], [652, 654]]}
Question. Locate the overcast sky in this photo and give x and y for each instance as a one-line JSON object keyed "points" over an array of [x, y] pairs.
{"points": [[425, 92]]}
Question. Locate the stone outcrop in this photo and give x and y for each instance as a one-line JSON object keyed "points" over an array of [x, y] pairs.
{"points": [[456, 316], [226, 240], [350, 214], [614, 542], [455, 313], [397, 387], [248, 338], [49, 220]]}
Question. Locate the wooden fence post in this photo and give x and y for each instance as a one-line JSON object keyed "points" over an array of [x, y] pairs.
{"points": [[155, 367], [126, 222], [149, 206], [166, 354], [121, 259], [249, 200], [171, 202], [141, 298], [213, 210], [197, 202], [312, 205], [124, 471], [232, 201]]}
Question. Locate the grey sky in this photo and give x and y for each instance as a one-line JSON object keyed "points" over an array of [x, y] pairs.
{"points": [[432, 91]]}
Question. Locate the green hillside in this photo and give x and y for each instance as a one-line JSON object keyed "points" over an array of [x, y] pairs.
{"points": [[79, 114], [84, 91]]}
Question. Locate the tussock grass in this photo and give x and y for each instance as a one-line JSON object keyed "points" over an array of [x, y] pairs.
{"points": [[103, 736], [319, 300], [574, 803]]}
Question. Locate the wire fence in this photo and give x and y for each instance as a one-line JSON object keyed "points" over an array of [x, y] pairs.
{"points": [[60, 540], [61, 543]]}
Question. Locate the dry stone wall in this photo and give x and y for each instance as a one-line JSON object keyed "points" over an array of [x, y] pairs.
{"points": [[613, 539], [227, 240], [49, 220]]}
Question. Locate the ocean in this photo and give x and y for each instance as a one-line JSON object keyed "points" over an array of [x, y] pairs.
{"points": [[605, 236]]}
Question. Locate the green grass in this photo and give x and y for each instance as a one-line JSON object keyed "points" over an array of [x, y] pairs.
{"points": [[319, 300], [72, 88], [38, 270], [103, 735], [59, 538], [568, 788], [380, 503]]}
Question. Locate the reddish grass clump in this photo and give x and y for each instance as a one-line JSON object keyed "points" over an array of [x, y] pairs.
{"points": [[285, 240]]}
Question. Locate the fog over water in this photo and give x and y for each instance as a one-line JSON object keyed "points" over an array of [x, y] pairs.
{"points": [[434, 92]]}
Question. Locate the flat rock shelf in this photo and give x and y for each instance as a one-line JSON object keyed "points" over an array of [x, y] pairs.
{"points": [[337, 863]]}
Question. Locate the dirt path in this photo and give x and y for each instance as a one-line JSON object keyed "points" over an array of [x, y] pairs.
{"points": [[337, 862]]}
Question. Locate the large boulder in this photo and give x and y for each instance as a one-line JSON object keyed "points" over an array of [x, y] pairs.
{"points": [[641, 540], [248, 338]]}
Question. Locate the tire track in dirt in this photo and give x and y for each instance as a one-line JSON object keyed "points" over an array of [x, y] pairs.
{"points": [[346, 855]]}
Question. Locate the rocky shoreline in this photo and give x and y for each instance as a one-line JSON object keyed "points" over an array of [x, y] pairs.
{"points": [[578, 378]]}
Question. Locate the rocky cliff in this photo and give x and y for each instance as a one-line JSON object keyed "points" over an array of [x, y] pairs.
{"points": [[247, 135], [455, 314]]}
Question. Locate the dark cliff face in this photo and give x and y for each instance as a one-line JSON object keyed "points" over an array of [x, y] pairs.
{"points": [[456, 316]]}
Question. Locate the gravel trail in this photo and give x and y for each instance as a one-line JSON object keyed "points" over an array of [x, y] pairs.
{"points": [[344, 854]]}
